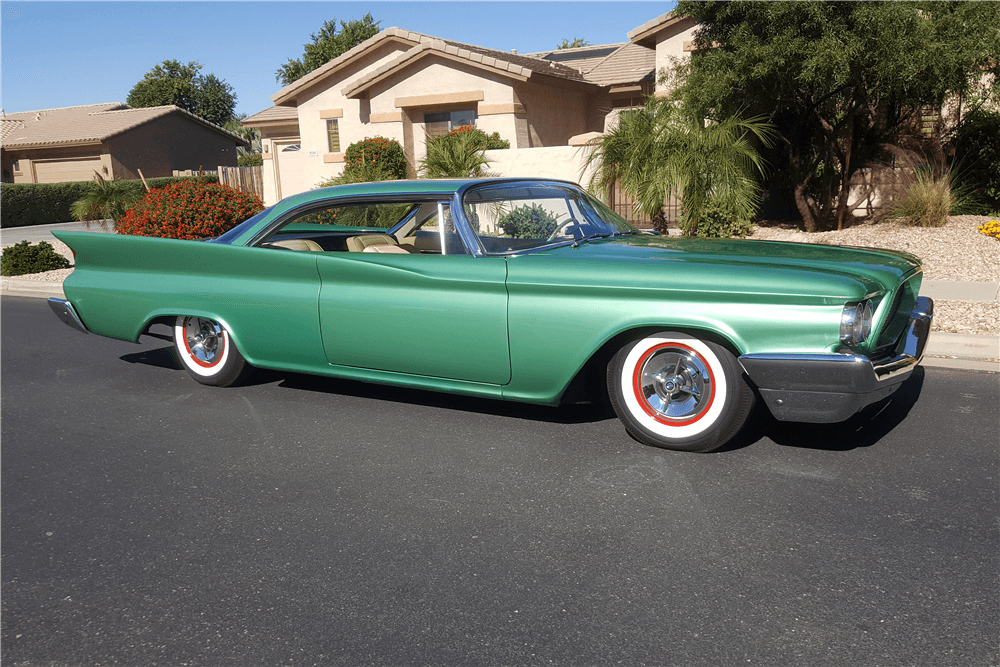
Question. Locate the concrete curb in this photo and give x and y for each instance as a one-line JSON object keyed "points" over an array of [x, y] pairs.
{"points": [[35, 288]]}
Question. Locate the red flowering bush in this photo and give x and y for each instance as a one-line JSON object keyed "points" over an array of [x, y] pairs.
{"points": [[188, 210], [378, 153]]}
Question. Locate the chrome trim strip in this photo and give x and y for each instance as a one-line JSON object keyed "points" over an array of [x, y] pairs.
{"points": [[65, 311]]}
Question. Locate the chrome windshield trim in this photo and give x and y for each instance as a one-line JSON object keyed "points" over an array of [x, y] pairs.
{"points": [[65, 311]]}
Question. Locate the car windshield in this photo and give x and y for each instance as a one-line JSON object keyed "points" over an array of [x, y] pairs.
{"points": [[512, 217]]}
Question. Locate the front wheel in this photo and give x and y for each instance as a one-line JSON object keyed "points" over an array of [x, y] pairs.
{"points": [[207, 353], [676, 391]]}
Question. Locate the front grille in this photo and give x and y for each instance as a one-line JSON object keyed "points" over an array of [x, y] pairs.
{"points": [[902, 305]]}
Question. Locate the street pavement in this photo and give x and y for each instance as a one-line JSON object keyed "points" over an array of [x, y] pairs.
{"points": [[148, 520]]}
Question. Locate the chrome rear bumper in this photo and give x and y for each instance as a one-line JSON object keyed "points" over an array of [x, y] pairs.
{"points": [[827, 388], [64, 311]]}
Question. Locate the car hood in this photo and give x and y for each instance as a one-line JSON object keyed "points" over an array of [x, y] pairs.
{"points": [[758, 266]]}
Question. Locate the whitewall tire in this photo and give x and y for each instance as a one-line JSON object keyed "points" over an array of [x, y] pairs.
{"points": [[676, 391], [207, 352]]}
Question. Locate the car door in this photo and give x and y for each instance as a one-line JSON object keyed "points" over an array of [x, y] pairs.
{"points": [[421, 313]]}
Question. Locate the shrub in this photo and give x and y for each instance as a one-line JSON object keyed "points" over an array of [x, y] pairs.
{"points": [[927, 201], [716, 221], [250, 160], [26, 204], [23, 258], [528, 222], [479, 138], [107, 199], [366, 172], [991, 228], [386, 153], [977, 155], [189, 210]]}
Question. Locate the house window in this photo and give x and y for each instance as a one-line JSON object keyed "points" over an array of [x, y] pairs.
{"points": [[436, 124], [332, 135], [291, 148], [16, 167]]}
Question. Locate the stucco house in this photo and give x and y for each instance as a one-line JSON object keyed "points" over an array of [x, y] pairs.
{"points": [[407, 86], [72, 143]]}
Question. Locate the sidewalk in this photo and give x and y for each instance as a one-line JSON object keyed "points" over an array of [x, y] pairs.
{"points": [[945, 350]]}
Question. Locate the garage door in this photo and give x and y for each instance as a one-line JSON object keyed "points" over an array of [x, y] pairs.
{"points": [[290, 169], [60, 171]]}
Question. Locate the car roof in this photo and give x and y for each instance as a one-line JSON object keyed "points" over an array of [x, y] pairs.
{"points": [[423, 186]]}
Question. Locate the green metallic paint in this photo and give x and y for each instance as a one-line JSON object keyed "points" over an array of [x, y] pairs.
{"points": [[431, 315], [518, 327]]}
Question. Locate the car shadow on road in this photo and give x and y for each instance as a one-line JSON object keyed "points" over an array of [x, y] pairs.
{"points": [[864, 429], [581, 413]]}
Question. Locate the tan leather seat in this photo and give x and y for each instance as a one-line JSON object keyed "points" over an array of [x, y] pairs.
{"points": [[388, 249], [365, 241], [297, 244]]}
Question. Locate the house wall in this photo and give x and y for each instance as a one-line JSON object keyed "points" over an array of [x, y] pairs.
{"points": [[670, 44], [567, 163], [355, 122], [554, 114], [168, 143], [437, 76]]}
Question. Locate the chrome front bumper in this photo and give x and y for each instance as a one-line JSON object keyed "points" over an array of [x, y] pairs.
{"points": [[826, 388], [64, 311]]}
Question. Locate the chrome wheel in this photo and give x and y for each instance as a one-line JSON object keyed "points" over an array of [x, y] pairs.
{"points": [[207, 352], [673, 384], [205, 341]]}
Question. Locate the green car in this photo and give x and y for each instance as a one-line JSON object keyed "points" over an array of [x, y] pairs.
{"points": [[518, 289]]}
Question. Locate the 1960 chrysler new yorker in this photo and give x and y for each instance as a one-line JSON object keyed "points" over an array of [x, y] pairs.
{"points": [[518, 289]]}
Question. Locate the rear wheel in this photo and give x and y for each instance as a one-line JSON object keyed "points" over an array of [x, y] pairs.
{"points": [[207, 353], [676, 391]]}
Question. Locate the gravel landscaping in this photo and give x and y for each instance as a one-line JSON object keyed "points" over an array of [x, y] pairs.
{"points": [[955, 251]]}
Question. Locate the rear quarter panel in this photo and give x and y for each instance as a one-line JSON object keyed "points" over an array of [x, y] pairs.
{"points": [[268, 299]]}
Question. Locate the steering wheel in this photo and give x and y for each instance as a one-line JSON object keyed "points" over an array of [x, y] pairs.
{"points": [[559, 228]]}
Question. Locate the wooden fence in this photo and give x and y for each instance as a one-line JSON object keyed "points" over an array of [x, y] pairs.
{"points": [[246, 179]]}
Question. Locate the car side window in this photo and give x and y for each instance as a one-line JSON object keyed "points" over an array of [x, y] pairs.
{"points": [[410, 227]]}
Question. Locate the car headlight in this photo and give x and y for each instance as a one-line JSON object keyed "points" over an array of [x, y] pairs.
{"points": [[856, 323]]}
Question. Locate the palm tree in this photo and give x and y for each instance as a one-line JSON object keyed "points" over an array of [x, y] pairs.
{"points": [[455, 155], [665, 150]]}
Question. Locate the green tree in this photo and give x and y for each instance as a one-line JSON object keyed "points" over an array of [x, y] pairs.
{"points": [[839, 80], [171, 82], [575, 44], [665, 150], [327, 45]]}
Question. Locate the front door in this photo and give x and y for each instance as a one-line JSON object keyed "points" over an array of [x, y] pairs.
{"points": [[422, 314]]}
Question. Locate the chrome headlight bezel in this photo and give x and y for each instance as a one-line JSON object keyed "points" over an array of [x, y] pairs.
{"points": [[856, 322]]}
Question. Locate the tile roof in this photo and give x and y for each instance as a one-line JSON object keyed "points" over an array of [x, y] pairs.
{"points": [[644, 33], [583, 58], [602, 65], [629, 64], [86, 124], [274, 114]]}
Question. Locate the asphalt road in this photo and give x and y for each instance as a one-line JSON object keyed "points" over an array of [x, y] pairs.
{"points": [[148, 520]]}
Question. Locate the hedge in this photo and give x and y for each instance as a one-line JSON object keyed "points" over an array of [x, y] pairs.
{"points": [[25, 204]]}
